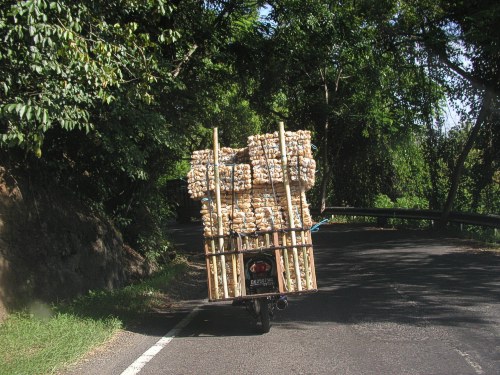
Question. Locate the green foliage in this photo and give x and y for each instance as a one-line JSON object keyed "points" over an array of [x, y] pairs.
{"points": [[486, 235], [118, 94], [59, 60], [412, 202], [154, 246], [479, 189], [406, 201], [328, 64], [453, 43], [383, 201], [411, 174]]}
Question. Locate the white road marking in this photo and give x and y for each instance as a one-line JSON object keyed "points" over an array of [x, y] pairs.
{"points": [[466, 356], [476, 366], [149, 354]]}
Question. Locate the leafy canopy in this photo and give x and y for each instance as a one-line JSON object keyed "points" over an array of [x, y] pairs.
{"points": [[59, 60]]}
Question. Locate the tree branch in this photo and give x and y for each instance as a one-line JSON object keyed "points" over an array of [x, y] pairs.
{"points": [[477, 83], [184, 60], [459, 166], [226, 11]]}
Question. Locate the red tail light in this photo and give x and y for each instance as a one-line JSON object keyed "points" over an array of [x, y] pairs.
{"points": [[260, 267]]}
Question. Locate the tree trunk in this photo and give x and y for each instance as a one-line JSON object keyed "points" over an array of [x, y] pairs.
{"points": [[459, 166], [431, 138], [326, 130], [432, 161], [327, 169]]}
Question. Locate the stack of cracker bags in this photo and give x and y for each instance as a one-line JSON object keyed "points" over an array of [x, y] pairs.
{"points": [[253, 200]]}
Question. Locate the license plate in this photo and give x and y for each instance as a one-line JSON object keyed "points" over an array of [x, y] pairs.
{"points": [[262, 282]]}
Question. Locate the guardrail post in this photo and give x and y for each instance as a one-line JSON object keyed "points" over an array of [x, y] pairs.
{"points": [[382, 221]]}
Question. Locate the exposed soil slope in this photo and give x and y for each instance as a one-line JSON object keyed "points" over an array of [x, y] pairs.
{"points": [[52, 247]]}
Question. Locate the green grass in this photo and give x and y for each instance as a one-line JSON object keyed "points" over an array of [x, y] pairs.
{"points": [[129, 303], [31, 345], [484, 234], [43, 339]]}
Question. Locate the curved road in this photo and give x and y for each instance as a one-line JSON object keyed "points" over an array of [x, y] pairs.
{"points": [[390, 302]]}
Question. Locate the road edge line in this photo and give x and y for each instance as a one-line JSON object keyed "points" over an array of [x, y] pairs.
{"points": [[149, 354]]}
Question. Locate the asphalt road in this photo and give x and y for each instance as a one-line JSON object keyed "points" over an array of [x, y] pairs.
{"points": [[390, 302]]}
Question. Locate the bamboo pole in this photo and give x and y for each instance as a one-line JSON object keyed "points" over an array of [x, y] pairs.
{"points": [[256, 243], [311, 254], [220, 229], [306, 260], [212, 244], [233, 257], [235, 276], [286, 182], [239, 247], [286, 263], [216, 274], [302, 234], [209, 274], [279, 267]]}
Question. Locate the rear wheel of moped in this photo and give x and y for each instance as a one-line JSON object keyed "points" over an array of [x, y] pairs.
{"points": [[265, 317]]}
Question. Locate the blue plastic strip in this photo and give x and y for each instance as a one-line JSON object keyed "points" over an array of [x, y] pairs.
{"points": [[315, 227]]}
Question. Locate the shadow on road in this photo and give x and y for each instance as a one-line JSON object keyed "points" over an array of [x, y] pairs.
{"points": [[404, 277], [368, 275]]}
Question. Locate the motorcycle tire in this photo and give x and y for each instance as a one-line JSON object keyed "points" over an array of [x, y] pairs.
{"points": [[265, 317]]}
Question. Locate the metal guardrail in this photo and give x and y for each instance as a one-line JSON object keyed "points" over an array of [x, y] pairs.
{"points": [[405, 213]]}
